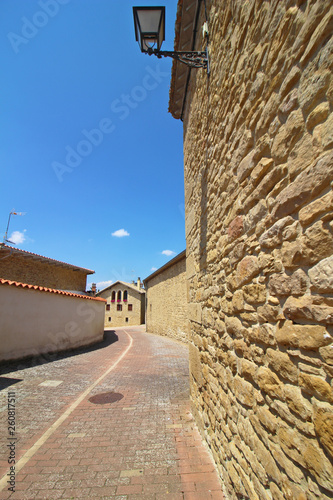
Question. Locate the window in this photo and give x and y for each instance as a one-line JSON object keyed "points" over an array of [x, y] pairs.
{"points": [[126, 320], [119, 296], [108, 307], [150, 307], [119, 307], [113, 296], [130, 307], [109, 319], [125, 296]]}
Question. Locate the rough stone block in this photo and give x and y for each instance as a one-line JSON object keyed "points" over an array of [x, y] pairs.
{"points": [[315, 209], [318, 115], [236, 228], [195, 364], [321, 276], [247, 269], [244, 392], [327, 354], [195, 312], [312, 89], [316, 386], [307, 185], [287, 136], [270, 383], [282, 364], [264, 334], [268, 313], [303, 308], [317, 244], [296, 402], [274, 235], [267, 419], [308, 337], [323, 422], [255, 293], [282, 284], [327, 133], [305, 452]]}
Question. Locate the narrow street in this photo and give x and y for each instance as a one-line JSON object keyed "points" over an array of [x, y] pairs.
{"points": [[111, 421]]}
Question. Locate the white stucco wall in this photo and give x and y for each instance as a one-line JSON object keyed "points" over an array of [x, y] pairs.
{"points": [[35, 322]]}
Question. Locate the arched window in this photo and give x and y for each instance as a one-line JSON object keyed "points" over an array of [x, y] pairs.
{"points": [[119, 296], [113, 296], [125, 296]]}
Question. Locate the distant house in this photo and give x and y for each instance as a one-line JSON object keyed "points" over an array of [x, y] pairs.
{"points": [[166, 290], [44, 307], [125, 304]]}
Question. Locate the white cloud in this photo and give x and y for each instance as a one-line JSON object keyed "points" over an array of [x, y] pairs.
{"points": [[17, 237], [154, 269], [103, 284], [120, 233], [168, 253]]}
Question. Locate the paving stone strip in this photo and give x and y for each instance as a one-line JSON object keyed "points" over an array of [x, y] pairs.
{"points": [[111, 421]]}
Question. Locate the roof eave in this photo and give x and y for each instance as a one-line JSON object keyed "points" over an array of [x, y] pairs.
{"points": [[184, 27], [170, 263]]}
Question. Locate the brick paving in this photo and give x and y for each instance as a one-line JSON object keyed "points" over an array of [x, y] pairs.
{"points": [[110, 422]]}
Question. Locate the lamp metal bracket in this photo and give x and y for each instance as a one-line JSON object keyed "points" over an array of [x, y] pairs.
{"points": [[193, 59]]}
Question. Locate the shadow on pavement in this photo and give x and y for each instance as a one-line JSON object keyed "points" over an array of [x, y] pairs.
{"points": [[7, 382], [110, 337]]}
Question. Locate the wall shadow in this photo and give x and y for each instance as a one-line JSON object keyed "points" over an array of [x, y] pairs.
{"points": [[7, 382], [109, 338]]}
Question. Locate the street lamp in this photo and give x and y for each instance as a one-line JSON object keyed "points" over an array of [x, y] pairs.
{"points": [[149, 23]]}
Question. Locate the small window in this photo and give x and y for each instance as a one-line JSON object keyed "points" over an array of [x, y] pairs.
{"points": [[150, 307], [119, 296], [125, 296], [109, 319], [130, 307], [108, 307], [126, 320], [113, 296], [119, 307]]}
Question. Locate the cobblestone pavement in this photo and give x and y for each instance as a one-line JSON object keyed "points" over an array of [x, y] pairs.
{"points": [[110, 422]]}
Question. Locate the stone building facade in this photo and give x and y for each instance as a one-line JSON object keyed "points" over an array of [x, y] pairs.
{"points": [[27, 267], [166, 300], [125, 304], [258, 160]]}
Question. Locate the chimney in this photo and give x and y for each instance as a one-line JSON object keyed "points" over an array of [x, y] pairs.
{"points": [[93, 288], [139, 284]]}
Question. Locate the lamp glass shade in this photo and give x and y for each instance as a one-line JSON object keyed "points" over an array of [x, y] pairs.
{"points": [[149, 25]]}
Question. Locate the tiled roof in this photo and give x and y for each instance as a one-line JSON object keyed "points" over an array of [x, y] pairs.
{"points": [[50, 290], [35, 256], [129, 285]]}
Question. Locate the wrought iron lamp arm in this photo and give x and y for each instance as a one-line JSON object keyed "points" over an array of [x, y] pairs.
{"points": [[191, 58]]}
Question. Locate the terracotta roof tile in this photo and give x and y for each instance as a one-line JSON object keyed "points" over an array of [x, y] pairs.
{"points": [[50, 290]]}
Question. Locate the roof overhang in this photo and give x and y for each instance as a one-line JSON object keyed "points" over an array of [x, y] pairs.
{"points": [[184, 37], [7, 251]]}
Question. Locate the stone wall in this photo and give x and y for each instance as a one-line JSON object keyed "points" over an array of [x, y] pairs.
{"points": [[258, 139], [29, 270], [166, 311]]}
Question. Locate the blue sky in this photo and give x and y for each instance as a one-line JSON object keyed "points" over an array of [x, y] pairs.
{"points": [[88, 149]]}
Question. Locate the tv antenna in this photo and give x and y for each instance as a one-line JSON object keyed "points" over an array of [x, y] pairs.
{"points": [[5, 238]]}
